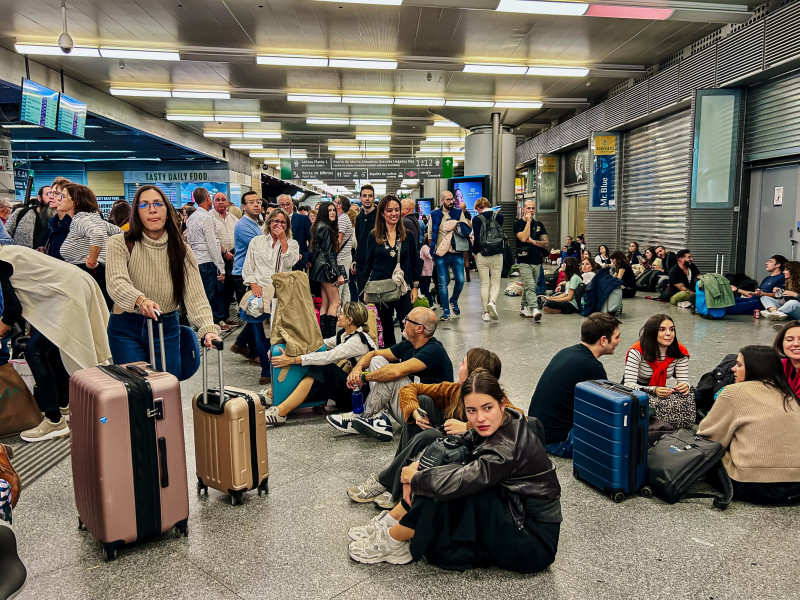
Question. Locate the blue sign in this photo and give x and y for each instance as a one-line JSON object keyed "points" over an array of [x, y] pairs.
{"points": [[604, 171]]}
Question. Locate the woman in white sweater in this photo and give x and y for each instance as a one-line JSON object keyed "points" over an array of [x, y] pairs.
{"points": [[656, 357], [151, 269], [325, 377]]}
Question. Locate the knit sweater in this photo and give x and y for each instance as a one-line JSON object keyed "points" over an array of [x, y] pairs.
{"points": [[762, 438], [446, 396], [145, 272]]}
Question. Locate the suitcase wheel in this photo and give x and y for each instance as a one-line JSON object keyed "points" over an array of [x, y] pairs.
{"points": [[110, 552], [263, 486], [201, 487], [81, 526], [182, 528], [236, 498], [618, 497], [646, 492], [320, 410], [576, 475]]}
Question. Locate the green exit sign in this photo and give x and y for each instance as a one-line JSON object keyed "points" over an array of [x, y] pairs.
{"points": [[447, 167]]}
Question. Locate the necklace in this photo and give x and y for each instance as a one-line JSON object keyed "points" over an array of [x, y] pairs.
{"points": [[392, 249]]}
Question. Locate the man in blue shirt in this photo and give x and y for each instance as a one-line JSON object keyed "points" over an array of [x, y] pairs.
{"points": [[747, 302], [246, 229]]}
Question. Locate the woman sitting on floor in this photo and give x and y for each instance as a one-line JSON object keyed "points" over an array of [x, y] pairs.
{"points": [[502, 508], [565, 302], [787, 343], [325, 377], [757, 419]]}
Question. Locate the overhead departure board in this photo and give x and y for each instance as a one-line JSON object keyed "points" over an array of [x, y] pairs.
{"points": [[71, 116], [39, 104]]}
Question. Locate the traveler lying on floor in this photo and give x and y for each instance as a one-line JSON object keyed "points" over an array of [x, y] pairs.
{"points": [[501, 508]]}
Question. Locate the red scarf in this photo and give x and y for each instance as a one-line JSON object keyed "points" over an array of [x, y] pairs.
{"points": [[660, 367], [792, 375]]}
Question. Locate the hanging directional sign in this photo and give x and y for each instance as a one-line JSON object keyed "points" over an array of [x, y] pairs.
{"points": [[367, 168]]}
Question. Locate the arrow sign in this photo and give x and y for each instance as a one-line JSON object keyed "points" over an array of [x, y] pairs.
{"points": [[447, 167]]}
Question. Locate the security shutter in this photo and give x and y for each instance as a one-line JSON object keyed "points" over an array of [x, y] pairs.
{"points": [[772, 128], [42, 177], [656, 174]]}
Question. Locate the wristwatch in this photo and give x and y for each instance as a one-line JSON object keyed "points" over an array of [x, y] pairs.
{"points": [[364, 376], [416, 285]]}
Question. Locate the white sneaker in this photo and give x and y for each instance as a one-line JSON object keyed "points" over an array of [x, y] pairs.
{"points": [[776, 315], [342, 422], [46, 430], [537, 314], [273, 417], [367, 491], [386, 501], [525, 312], [365, 531], [380, 547], [492, 311], [486, 317], [684, 304]]}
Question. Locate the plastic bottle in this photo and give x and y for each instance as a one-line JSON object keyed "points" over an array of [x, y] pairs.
{"points": [[358, 402]]}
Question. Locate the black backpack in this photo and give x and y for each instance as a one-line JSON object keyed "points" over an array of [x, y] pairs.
{"points": [[711, 383], [491, 238], [679, 459]]}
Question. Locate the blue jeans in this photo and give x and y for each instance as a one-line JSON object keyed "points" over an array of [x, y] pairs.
{"points": [[455, 261], [213, 289], [263, 346], [562, 449], [128, 338]]}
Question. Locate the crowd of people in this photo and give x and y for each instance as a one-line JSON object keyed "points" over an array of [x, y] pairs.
{"points": [[501, 505]]}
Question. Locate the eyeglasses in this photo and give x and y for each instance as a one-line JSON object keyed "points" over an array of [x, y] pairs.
{"points": [[285, 205], [279, 223], [147, 205], [407, 320]]}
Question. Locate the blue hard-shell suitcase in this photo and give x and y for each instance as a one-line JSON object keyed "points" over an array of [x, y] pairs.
{"points": [[610, 438], [282, 389], [701, 307]]}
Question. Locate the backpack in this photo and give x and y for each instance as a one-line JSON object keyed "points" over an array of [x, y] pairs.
{"points": [[491, 238], [679, 459], [712, 382]]}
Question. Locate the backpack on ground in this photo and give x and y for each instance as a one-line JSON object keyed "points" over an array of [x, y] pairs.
{"points": [[711, 383], [491, 237], [679, 459]]}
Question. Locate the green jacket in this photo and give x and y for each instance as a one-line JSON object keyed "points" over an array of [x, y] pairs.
{"points": [[717, 289]]}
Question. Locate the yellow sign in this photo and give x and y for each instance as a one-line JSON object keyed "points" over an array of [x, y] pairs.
{"points": [[605, 145], [547, 163]]}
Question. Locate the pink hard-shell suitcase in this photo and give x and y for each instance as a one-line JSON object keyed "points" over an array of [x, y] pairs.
{"points": [[128, 453]]}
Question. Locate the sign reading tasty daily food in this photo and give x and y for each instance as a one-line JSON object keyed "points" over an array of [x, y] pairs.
{"points": [[604, 171], [366, 168], [145, 177]]}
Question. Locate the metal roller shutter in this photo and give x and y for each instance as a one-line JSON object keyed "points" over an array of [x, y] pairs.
{"points": [[656, 174], [772, 128], [42, 177]]}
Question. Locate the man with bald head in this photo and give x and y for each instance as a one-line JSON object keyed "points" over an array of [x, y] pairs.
{"points": [[408, 210], [419, 354], [445, 221], [301, 230]]}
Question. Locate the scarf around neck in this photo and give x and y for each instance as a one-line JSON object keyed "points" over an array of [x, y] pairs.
{"points": [[660, 367]]}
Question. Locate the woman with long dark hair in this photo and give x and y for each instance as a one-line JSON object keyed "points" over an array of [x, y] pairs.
{"points": [[388, 247], [651, 361], [324, 269], [603, 258], [502, 508], [621, 269], [757, 420], [565, 303], [634, 256], [787, 343], [152, 270]]}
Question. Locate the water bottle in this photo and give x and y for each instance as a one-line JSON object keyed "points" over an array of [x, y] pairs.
{"points": [[358, 402]]}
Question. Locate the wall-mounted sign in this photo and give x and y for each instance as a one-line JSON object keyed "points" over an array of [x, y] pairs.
{"points": [[547, 182], [145, 177], [777, 199], [605, 159], [379, 168], [576, 167]]}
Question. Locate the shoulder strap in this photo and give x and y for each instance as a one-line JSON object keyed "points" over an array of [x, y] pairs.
{"points": [[399, 247]]}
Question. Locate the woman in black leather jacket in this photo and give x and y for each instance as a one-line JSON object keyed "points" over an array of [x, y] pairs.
{"points": [[502, 508], [324, 271]]}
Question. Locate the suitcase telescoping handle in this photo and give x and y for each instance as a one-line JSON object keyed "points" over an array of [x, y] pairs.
{"points": [[218, 344], [160, 320]]}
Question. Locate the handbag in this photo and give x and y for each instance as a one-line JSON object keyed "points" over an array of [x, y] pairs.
{"points": [[190, 353], [18, 409], [679, 410], [459, 243], [383, 290]]}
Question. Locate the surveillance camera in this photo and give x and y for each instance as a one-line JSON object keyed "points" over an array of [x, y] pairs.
{"points": [[121, 64], [65, 43], [429, 76]]}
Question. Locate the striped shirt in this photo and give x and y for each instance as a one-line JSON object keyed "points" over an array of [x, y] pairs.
{"points": [[86, 229], [224, 228], [202, 236], [346, 229], [638, 372]]}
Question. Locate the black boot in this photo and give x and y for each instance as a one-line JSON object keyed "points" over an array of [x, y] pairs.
{"points": [[14, 572], [328, 326]]}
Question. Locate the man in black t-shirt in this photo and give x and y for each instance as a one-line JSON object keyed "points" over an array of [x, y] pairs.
{"points": [[682, 278], [390, 369], [553, 401], [532, 241]]}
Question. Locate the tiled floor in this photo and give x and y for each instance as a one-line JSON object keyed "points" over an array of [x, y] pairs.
{"points": [[293, 543]]}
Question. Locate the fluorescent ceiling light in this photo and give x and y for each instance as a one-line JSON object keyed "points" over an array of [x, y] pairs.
{"points": [[176, 117], [265, 154], [292, 61], [366, 137], [408, 101], [344, 156], [119, 158], [321, 121], [368, 122], [139, 54], [19, 126], [558, 71], [431, 150], [114, 91], [377, 148], [343, 147], [222, 134], [496, 69], [537, 7], [470, 103], [246, 146], [59, 151], [262, 135], [508, 104], [444, 138], [358, 63], [445, 124], [237, 118], [210, 95], [381, 2], [313, 98], [40, 141], [367, 100], [629, 12], [54, 50], [293, 154]]}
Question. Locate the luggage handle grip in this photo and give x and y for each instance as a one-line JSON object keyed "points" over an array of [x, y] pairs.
{"points": [[162, 459], [150, 338], [218, 344]]}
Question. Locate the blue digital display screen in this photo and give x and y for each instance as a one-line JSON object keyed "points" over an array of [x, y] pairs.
{"points": [[71, 116], [39, 104]]}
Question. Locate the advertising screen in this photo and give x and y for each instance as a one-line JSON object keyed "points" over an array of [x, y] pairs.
{"points": [[71, 116], [425, 205], [468, 189], [212, 187], [39, 104]]}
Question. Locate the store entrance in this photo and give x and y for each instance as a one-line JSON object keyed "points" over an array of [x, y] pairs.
{"points": [[578, 213]]}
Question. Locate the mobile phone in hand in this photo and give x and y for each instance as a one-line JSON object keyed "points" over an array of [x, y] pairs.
{"points": [[423, 413]]}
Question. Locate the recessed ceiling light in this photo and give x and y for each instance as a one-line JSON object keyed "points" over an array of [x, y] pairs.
{"points": [[369, 122], [262, 135], [45, 141], [362, 63], [54, 50], [209, 95], [367, 100], [414, 101], [509, 104], [558, 71], [496, 69], [538, 7], [366, 137], [326, 121], [470, 103], [245, 146], [293, 154], [629, 12], [343, 147], [115, 91], [237, 118], [313, 98], [264, 154], [292, 61], [127, 53], [222, 134], [179, 117]]}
